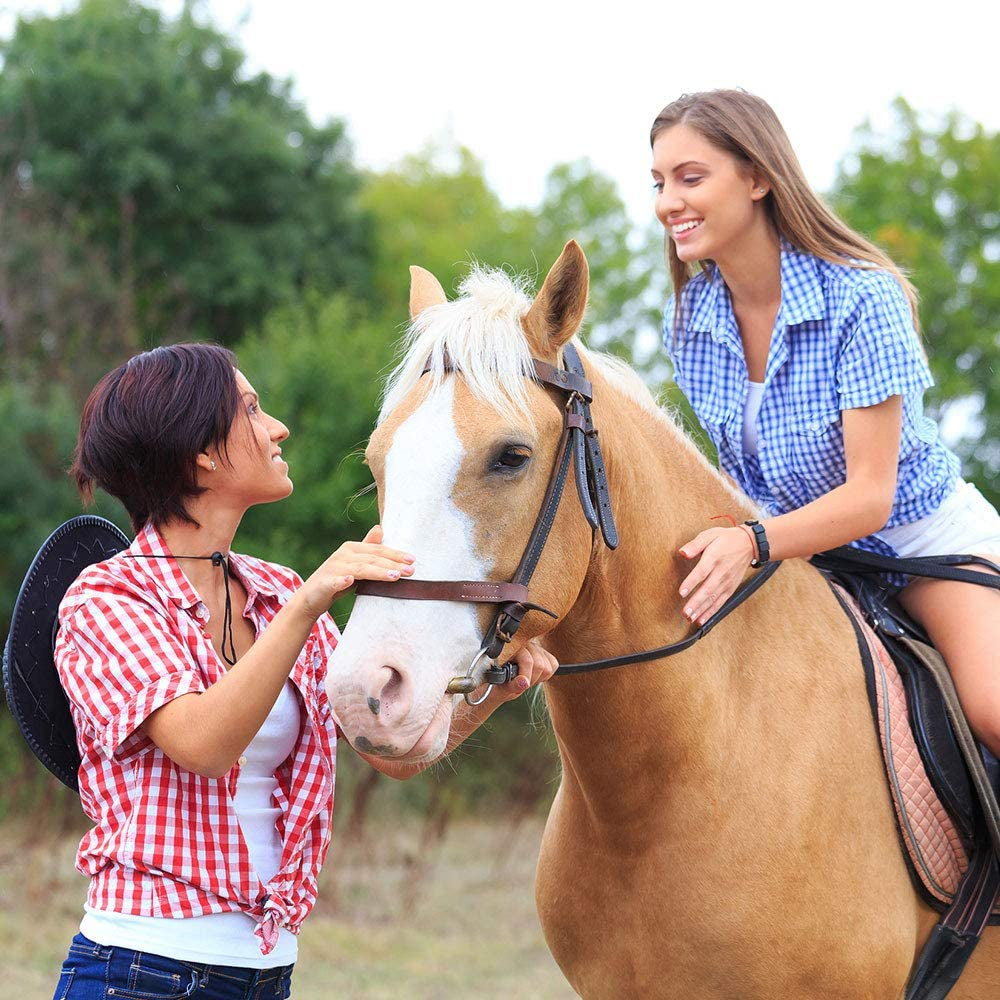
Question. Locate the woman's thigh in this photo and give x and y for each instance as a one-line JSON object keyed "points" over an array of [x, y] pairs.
{"points": [[963, 622]]}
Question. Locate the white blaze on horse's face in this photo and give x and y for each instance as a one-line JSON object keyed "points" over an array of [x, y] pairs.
{"points": [[399, 652], [461, 468]]}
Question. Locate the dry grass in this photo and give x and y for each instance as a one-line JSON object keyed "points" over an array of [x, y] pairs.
{"points": [[406, 912]]}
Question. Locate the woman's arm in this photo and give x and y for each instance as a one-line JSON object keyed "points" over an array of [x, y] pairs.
{"points": [[536, 665], [853, 510], [206, 732]]}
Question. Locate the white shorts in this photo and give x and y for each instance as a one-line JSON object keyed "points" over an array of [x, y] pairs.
{"points": [[965, 523]]}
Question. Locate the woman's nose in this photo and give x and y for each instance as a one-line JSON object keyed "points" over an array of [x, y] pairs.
{"points": [[278, 431], [667, 205]]}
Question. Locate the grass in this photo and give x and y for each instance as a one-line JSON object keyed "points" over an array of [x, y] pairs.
{"points": [[408, 910]]}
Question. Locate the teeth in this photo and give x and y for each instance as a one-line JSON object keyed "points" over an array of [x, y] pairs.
{"points": [[685, 226]]}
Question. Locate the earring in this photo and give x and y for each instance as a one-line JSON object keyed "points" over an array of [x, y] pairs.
{"points": [[213, 466]]}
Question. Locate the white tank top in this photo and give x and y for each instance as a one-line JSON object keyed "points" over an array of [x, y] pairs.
{"points": [[755, 393], [224, 938]]}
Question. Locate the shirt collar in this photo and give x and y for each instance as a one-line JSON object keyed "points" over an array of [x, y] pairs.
{"points": [[709, 308], [167, 575], [702, 295], [150, 551], [801, 289]]}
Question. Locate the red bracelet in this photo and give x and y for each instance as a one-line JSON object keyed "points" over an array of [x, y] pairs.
{"points": [[716, 517], [749, 532]]}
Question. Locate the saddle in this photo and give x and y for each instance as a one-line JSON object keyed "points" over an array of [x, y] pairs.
{"points": [[943, 783]]}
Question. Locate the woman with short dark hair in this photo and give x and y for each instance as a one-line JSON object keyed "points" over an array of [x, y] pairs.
{"points": [[195, 678]]}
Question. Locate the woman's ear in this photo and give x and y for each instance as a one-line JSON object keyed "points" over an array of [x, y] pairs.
{"points": [[205, 462], [759, 187]]}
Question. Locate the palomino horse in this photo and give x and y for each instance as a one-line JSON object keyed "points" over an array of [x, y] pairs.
{"points": [[722, 828]]}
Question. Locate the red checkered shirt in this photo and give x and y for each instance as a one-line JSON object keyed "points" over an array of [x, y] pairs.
{"points": [[166, 842]]}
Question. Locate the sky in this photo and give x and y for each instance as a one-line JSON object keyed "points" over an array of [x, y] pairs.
{"points": [[527, 85]]}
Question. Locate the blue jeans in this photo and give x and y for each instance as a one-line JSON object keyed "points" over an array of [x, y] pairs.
{"points": [[94, 972]]}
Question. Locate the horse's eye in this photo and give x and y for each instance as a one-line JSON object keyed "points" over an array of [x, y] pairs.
{"points": [[511, 459]]}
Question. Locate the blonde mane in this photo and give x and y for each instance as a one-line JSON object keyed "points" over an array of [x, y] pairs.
{"points": [[482, 334]]}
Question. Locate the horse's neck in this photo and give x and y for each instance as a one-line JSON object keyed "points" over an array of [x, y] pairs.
{"points": [[672, 715]]}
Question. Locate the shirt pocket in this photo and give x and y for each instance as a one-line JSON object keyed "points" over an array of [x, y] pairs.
{"points": [[813, 453]]}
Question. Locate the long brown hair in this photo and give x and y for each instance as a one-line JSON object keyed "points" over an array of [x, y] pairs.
{"points": [[747, 128]]}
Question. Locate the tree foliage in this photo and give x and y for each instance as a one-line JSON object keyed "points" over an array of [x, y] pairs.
{"points": [[208, 192], [928, 193]]}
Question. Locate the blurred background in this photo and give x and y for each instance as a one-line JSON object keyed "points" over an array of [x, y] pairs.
{"points": [[262, 174]]}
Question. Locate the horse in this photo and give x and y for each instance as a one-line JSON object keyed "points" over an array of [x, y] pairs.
{"points": [[722, 827]]}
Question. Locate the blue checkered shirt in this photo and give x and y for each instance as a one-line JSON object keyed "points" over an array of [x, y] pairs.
{"points": [[843, 338]]}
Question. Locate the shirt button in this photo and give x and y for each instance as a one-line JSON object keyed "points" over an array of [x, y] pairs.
{"points": [[242, 761], [201, 612]]}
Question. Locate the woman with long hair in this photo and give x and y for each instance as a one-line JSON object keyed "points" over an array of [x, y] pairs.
{"points": [[795, 340]]}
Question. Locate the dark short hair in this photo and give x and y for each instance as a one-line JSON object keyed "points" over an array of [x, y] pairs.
{"points": [[145, 423]]}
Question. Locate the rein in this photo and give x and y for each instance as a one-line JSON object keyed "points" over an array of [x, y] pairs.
{"points": [[579, 444]]}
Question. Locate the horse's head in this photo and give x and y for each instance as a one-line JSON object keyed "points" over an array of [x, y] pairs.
{"points": [[461, 459]]}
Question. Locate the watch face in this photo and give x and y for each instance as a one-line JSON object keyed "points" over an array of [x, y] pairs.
{"points": [[31, 683]]}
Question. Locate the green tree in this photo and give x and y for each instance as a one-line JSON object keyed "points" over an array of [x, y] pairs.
{"points": [[436, 209], [317, 367], [628, 276], [927, 192], [209, 191]]}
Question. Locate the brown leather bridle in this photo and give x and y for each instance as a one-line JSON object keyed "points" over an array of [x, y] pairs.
{"points": [[580, 445]]}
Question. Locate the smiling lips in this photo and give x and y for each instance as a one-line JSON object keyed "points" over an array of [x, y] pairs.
{"points": [[681, 230]]}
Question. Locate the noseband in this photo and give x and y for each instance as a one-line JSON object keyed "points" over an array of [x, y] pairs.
{"points": [[580, 445]]}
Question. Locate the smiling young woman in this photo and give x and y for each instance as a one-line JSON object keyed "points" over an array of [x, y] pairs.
{"points": [[196, 679], [795, 341]]}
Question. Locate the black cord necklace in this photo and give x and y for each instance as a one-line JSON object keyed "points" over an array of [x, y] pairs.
{"points": [[217, 559]]}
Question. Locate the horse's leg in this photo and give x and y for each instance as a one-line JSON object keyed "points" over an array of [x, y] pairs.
{"points": [[963, 621]]}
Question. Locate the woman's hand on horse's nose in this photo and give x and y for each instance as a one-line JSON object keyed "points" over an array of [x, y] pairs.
{"points": [[365, 560], [725, 556], [535, 665]]}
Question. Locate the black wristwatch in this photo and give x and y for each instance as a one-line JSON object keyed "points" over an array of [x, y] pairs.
{"points": [[760, 537]]}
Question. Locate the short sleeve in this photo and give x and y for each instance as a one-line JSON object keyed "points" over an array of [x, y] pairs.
{"points": [[119, 661], [882, 355]]}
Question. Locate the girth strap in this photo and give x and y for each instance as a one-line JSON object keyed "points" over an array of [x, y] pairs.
{"points": [[953, 939]]}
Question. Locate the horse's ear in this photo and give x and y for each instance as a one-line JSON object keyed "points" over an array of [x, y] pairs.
{"points": [[425, 290], [557, 312]]}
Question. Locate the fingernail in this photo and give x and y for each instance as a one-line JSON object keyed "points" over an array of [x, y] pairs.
{"points": [[393, 574], [409, 559], [408, 570], [522, 683], [684, 592], [687, 611]]}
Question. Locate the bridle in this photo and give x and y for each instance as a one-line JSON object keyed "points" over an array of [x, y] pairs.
{"points": [[580, 446]]}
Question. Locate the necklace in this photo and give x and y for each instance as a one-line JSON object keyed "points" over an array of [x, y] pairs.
{"points": [[217, 559]]}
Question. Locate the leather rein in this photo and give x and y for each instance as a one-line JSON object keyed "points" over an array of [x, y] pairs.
{"points": [[579, 445]]}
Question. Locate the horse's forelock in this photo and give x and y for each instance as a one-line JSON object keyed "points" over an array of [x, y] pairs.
{"points": [[482, 334]]}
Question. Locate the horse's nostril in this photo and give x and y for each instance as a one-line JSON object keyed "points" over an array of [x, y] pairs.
{"points": [[391, 692]]}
